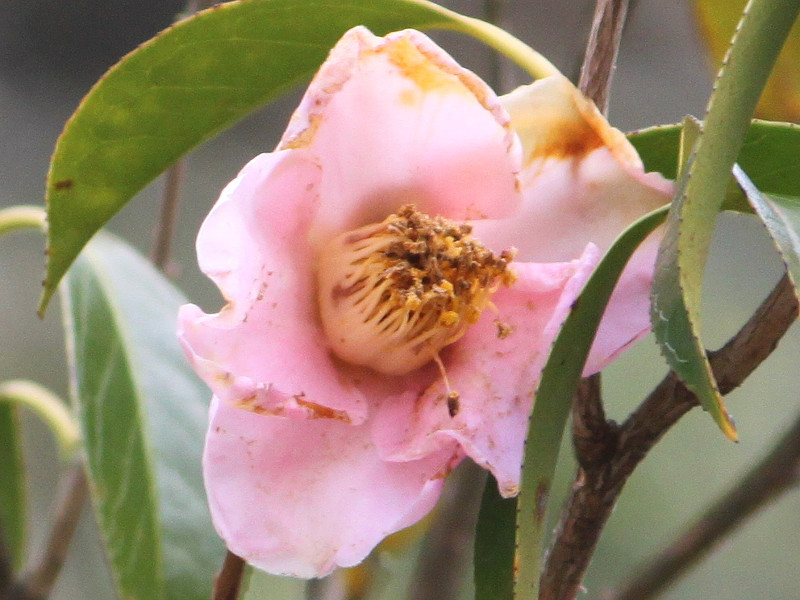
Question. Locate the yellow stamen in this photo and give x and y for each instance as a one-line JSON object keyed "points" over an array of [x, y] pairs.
{"points": [[392, 294]]}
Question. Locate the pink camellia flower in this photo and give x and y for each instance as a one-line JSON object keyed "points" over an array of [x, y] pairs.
{"points": [[394, 275]]}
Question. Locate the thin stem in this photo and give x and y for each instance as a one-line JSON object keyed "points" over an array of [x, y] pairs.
{"points": [[39, 580], [601, 51], [228, 583], [168, 215], [49, 408], [21, 217], [493, 13], [776, 474], [597, 487], [170, 200]]}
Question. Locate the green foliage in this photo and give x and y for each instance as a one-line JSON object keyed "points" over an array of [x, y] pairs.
{"points": [[557, 388], [781, 217], [494, 545], [12, 484], [143, 416], [770, 154], [690, 226], [194, 80]]}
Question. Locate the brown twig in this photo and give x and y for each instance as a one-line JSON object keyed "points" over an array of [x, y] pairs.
{"points": [[39, 579], [777, 473], [170, 200], [598, 486], [592, 434], [167, 218], [601, 51], [228, 582]]}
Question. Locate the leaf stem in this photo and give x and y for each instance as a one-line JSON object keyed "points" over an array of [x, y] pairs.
{"points": [[495, 37], [21, 217], [38, 582], [49, 408]]}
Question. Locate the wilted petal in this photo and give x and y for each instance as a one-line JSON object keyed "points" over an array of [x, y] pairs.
{"points": [[582, 181]]}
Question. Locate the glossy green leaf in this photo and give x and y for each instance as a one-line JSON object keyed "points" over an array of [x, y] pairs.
{"points": [[197, 78], [143, 416], [12, 484], [770, 154], [557, 388], [494, 545], [781, 216], [690, 226]]}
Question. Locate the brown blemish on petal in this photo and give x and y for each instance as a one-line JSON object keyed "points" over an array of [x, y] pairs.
{"points": [[558, 122], [569, 138], [250, 404], [305, 137], [503, 329], [321, 412], [224, 378], [420, 69]]}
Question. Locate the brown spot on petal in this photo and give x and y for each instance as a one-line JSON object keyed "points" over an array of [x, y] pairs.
{"points": [[322, 412], [575, 139], [305, 137], [420, 69], [503, 329]]}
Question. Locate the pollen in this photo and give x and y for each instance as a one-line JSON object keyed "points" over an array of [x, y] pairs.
{"points": [[393, 294]]}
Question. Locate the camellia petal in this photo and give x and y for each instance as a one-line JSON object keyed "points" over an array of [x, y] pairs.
{"points": [[302, 497], [399, 122], [412, 170], [494, 370], [582, 181], [262, 277]]}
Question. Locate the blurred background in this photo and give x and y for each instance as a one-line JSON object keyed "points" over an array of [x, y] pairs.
{"points": [[51, 51]]}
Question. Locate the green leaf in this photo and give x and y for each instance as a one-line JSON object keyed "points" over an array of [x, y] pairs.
{"points": [[143, 416], [690, 226], [781, 216], [658, 147], [194, 80], [494, 545], [557, 388], [770, 154], [12, 484]]}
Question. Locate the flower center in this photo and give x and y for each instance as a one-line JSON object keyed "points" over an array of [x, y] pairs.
{"points": [[393, 294]]}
